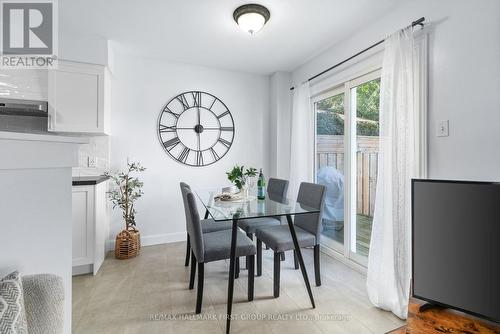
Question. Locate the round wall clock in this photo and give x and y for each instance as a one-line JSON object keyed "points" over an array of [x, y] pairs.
{"points": [[196, 128]]}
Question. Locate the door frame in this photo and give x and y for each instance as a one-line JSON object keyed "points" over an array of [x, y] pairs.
{"points": [[349, 163]]}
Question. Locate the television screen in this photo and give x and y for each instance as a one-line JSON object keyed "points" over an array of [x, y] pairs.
{"points": [[456, 245]]}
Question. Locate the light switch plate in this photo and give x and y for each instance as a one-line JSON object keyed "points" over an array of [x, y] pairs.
{"points": [[91, 162], [443, 128]]}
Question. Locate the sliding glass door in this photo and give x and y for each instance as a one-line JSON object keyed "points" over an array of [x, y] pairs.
{"points": [[329, 164], [346, 144]]}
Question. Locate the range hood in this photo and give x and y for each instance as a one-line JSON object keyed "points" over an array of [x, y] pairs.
{"points": [[23, 107]]}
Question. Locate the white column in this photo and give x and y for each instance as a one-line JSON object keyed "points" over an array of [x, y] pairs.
{"points": [[35, 206]]}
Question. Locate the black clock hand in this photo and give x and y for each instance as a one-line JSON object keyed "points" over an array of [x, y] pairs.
{"points": [[199, 126], [199, 117]]}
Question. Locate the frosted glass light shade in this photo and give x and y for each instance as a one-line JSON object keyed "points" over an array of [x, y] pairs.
{"points": [[251, 17], [251, 22]]}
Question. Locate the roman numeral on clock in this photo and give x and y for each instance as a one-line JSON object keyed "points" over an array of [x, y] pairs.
{"points": [[223, 114], [214, 154], [213, 102], [196, 99], [183, 101], [164, 128], [199, 158], [224, 142], [227, 128], [176, 115], [184, 155], [171, 143]]}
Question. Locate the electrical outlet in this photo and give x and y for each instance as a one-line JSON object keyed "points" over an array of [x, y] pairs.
{"points": [[443, 128], [91, 162]]}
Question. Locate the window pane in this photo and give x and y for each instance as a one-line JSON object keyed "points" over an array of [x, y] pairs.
{"points": [[365, 100], [330, 164]]}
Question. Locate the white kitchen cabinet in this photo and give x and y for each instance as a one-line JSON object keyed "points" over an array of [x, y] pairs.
{"points": [[83, 225], [78, 96], [90, 221]]}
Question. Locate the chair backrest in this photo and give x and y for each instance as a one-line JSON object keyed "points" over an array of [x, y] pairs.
{"points": [[276, 189], [312, 195], [184, 185], [193, 224]]}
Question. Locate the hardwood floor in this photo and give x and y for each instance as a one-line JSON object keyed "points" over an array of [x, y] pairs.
{"points": [[149, 294]]}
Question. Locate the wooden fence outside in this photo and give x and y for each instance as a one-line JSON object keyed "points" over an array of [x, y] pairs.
{"points": [[330, 152]]}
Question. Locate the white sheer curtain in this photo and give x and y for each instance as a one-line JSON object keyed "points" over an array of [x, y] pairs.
{"points": [[301, 141], [388, 280]]}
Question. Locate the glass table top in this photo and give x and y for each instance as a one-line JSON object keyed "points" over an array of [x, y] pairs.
{"points": [[249, 207]]}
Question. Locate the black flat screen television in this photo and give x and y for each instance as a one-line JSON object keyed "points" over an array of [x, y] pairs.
{"points": [[456, 245]]}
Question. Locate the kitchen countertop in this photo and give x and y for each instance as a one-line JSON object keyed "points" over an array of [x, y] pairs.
{"points": [[89, 180]]}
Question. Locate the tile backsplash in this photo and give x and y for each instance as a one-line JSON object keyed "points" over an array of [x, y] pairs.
{"points": [[24, 84], [97, 149]]}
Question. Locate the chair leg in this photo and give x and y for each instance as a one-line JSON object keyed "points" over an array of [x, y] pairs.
{"points": [[199, 291], [295, 260], [251, 276], [259, 257], [276, 286], [316, 266], [250, 236], [282, 256], [193, 271], [237, 268], [188, 251]]}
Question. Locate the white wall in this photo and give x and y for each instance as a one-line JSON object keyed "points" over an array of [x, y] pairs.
{"points": [[464, 80], [83, 48], [140, 88]]}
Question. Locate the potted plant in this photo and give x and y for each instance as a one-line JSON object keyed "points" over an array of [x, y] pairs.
{"points": [[239, 176], [126, 191]]}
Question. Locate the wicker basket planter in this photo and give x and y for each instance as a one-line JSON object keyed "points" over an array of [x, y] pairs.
{"points": [[128, 244]]}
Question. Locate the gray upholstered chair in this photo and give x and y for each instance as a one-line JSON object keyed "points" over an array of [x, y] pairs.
{"points": [[307, 228], [276, 191], [214, 246], [207, 225]]}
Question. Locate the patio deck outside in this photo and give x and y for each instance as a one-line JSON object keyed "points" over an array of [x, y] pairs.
{"points": [[330, 152]]}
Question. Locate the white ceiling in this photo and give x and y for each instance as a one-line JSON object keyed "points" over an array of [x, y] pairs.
{"points": [[203, 32]]}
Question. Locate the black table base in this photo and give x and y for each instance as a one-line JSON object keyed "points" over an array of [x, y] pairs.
{"points": [[230, 287], [301, 259], [232, 267]]}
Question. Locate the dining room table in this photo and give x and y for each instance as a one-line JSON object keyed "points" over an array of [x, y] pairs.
{"points": [[235, 208]]}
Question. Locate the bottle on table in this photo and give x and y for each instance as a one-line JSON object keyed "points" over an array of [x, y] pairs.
{"points": [[261, 186]]}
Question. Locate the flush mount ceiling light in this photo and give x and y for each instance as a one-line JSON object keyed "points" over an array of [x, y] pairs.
{"points": [[251, 17]]}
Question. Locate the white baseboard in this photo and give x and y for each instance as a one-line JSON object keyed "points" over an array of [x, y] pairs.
{"points": [[155, 239], [82, 270]]}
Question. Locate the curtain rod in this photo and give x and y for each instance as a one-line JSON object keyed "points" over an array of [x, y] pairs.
{"points": [[419, 22]]}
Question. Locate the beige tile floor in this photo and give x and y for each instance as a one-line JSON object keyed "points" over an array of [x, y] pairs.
{"points": [[126, 296]]}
